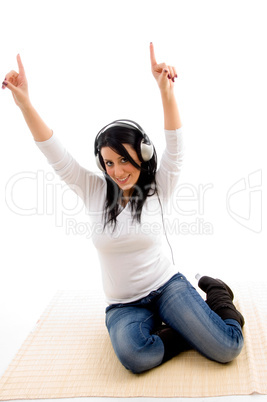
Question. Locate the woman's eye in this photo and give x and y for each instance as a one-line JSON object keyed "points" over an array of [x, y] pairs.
{"points": [[109, 163]]}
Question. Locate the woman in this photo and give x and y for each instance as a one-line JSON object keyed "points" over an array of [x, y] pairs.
{"points": [[154, 313]]}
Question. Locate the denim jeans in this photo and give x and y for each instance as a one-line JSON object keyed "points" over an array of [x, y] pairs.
{"points": [[131, 326]]}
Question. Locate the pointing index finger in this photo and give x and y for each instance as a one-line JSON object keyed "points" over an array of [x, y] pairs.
{"points": [[21, 68], [152, 55]]}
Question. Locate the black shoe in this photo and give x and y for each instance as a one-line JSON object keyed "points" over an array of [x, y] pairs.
{"points": [[220, 299], [206, 282], [173, 342]]}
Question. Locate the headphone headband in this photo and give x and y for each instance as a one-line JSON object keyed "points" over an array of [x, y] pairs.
{"points": [[121, 123]]}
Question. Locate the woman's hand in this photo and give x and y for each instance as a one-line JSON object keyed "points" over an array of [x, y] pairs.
{"points": [[18, 85], [163, 74]]}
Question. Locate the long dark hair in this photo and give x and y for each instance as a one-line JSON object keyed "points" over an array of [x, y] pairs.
{"points": [[113, 138]]}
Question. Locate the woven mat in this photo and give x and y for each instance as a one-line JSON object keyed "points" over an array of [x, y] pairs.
{"points": [[69, 354]]}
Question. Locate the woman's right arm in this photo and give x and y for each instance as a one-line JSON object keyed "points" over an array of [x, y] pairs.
{"points": [[86, 184], [18, 85]]}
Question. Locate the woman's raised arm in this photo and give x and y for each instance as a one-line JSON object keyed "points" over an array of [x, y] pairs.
{"points": [[18, 85], [165, 76]]}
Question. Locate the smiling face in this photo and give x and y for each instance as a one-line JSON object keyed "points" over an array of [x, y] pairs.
{"points": [[120, 169]]}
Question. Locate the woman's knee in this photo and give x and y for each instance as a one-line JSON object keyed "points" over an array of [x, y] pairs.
{"points": [[139, 361], [141, 356], [229, 353]]}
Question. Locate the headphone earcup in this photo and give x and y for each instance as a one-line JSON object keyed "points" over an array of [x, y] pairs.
{"points": [[147, 151], [98, 163]]}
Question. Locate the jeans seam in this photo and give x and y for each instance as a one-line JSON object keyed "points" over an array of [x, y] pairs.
{"points": [[219, 322], [141, 323]]}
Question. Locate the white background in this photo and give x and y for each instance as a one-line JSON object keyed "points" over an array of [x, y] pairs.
{"points": [[87, 63]]}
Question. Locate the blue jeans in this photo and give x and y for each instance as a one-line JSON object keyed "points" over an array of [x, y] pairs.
{"points": [[131, 326]]}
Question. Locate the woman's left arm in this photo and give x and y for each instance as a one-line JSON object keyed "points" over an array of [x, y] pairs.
{"points": [[165, 76]]}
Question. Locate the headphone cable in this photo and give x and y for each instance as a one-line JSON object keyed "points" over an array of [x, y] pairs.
{"points": [[164, 229]]}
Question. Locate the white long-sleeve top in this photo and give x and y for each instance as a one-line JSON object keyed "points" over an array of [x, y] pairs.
{"points": [[132, 260]]}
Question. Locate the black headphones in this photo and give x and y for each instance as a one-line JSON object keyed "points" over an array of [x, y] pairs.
{"points": [[146, 146]]}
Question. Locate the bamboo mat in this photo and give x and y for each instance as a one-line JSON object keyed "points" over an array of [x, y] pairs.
{"points": [[69, 354]]}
